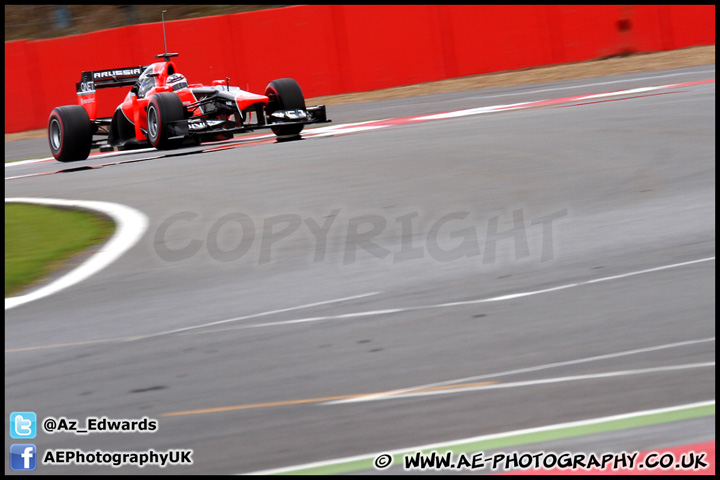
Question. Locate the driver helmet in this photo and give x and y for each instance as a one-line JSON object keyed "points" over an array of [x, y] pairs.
{"points": [[177, 81]]}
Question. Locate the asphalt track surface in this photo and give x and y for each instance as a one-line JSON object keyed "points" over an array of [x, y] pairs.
{"points": [[553, 264]]}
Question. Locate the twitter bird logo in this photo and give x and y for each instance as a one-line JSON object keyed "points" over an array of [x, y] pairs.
{"points": [[23, 425]]}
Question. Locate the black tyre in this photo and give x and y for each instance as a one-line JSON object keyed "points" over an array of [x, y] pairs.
{"points": [[285, 94], [70, 133], [163, 109]]}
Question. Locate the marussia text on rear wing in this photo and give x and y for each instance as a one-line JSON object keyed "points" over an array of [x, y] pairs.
{"points": [[115, 77]]}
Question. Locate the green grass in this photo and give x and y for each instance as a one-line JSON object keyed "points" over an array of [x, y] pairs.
{"points": [[40, 240]]}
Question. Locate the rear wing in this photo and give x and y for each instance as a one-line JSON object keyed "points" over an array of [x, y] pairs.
{"points": [[116, 77]]}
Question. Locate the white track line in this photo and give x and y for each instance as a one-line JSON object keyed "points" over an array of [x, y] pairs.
{"points": [[500, 298], [262, 314], [93, 156], [181, 330], [539, 103], [479, 95], [131, 225], [379, 396], [28, 162], [596, 84], [528, 383]]}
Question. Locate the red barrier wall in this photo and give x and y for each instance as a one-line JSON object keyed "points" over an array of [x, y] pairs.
{"points": [[331, 49]]}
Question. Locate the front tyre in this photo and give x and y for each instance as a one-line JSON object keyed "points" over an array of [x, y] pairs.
{"points": [[70, 133], [163, 110], [285, 94]]}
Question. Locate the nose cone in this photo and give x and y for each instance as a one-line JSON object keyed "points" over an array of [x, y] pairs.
{"points": [[246, 99]]}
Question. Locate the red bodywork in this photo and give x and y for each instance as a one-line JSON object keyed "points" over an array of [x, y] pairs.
{"points": [[135, 109]]}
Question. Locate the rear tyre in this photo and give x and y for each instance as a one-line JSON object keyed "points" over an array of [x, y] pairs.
{"points": [[70, 133], [163, 109], [285, 94]]}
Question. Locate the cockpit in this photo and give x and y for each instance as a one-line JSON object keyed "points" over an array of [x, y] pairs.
{"points": [[146, 81], [151, 78]]}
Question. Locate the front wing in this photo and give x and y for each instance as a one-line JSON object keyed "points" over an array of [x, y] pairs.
{"points": [[211, 127]]}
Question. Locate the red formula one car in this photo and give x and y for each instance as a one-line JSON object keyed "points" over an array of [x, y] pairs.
{"points": [[164, 111]]}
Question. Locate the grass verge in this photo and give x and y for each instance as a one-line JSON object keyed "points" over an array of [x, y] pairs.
{"points": [[40, 240]]}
